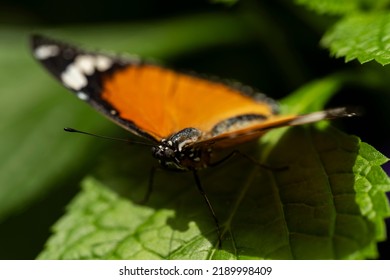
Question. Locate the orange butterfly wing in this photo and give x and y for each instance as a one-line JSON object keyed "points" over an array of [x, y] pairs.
{"points": [[156, 103], [161, 102]]}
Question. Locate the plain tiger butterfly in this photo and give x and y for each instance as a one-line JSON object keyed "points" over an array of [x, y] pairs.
{"points": [[186, 119]]}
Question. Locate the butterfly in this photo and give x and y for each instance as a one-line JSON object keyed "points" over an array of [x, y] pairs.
{"points": [[186, 119]]}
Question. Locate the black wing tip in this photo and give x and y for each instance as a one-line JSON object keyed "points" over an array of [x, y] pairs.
{"points": [[37, 39], [34, 37]]}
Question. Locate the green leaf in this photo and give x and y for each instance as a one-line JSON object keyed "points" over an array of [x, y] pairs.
{"points": [[361, 36], [330, 6], [337, 7], [313, 95], [36, 153], [329, 204]]}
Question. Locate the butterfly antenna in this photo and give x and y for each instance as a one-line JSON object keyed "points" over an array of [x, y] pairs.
{"points": [[68, 129]]}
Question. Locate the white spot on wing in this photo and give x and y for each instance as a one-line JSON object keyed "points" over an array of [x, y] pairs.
{"points": [[46, 51], [73, 78], [75, 74], [85, 63], [103, 63], [81, 95]]}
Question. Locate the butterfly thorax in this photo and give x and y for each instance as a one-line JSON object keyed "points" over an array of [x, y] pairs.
{"points": [[178, 152]]}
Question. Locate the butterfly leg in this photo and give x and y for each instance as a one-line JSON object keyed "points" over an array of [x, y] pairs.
{"points": [[146, 197], [209, 206]]}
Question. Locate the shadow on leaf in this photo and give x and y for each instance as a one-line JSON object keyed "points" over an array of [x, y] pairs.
{"points": [[315, 209]]}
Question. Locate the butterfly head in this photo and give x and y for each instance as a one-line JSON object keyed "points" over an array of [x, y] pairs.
{"points": [[178, 152]]}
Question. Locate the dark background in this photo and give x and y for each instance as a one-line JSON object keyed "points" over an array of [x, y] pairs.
{"points": [[301, 30]]}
